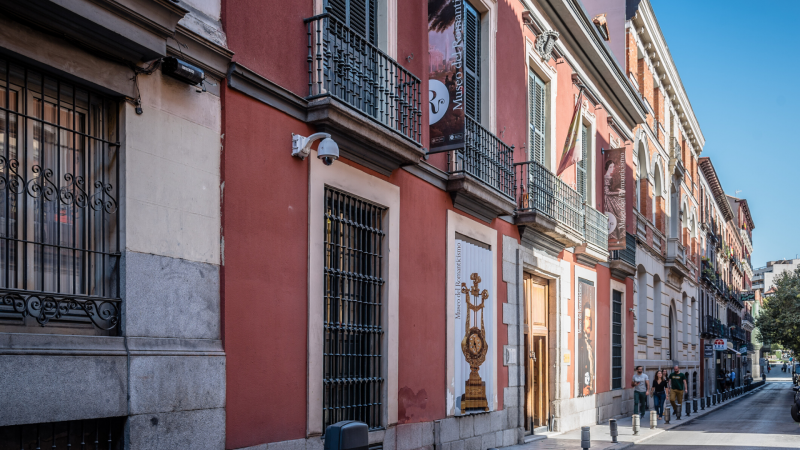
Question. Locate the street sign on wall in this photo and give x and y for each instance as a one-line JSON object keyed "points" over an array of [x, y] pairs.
{"points": [[720, 344], [709, 350]]}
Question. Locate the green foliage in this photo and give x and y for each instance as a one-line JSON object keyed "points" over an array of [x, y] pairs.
{"points": [[779, 319]]}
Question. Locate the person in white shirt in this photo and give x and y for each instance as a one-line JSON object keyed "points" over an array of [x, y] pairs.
{"points": [[641, 387]]}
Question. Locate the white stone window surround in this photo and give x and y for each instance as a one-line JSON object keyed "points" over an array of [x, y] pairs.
{"points": [[353, 181], [456, 223], [549, 76], [386, 23], [588, 275], [620, 287]]}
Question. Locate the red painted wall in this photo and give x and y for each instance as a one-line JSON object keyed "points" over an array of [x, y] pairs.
{"points": [[264, 291]]}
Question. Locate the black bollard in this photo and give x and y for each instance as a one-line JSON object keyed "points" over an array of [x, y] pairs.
{"points": [[586, 440], [688, 408], [612, 427], [694, 406], [702, 403]]}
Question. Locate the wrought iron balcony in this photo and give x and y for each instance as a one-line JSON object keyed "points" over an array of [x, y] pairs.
{"points": [[549, 205], [595, 235], [482, 174], [623, 262], [363, 96], [750, 347], [738, 333]]}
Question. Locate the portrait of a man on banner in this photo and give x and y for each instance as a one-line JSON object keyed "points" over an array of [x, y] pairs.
{"points": [[586, 341]]}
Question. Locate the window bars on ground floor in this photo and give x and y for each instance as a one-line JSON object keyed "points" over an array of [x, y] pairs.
{"points": [[59, 204], [91, 434], [353, 310]]}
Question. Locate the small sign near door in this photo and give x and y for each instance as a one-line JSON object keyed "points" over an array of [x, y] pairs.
{"points": [[720, 344], [567, 357], [709, 350]]}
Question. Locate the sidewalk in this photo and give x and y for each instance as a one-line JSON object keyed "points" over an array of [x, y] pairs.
{"points": [[601, 438]]}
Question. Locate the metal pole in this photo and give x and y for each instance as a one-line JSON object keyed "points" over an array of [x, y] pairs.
{"points": [[667, 413], [635, 424], [586, 440], [653, 419]]}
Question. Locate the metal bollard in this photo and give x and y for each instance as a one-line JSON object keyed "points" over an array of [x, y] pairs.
{"points": [[612, 428], [702, 403], [635, 424], [688, 408], [694, 406], [653, 419], [586, 440], [667, 413]]}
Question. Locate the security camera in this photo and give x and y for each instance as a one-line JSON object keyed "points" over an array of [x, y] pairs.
{"points": [[328, 151]]}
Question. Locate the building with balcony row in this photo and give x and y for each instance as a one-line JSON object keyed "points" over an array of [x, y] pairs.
{"points": [[229, 225]]}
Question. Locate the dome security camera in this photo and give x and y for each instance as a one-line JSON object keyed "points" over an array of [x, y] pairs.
{"points": [[328, 151]]}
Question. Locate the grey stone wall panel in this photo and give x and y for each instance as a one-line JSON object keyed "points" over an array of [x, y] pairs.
{"points": [[202, 429], [39, 388], [176, 383], [170, 297]]}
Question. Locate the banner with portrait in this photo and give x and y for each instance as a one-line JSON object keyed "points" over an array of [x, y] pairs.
{"points": [[474, 325], [614, 196], [585, 336], [446, 74]]}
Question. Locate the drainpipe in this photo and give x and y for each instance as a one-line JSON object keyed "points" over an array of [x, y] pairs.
{"points": [[520, 402]]}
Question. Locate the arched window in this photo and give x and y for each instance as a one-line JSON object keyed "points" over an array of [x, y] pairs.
{"points": [[657, 307], [686, 319], [642, 179], [672, 344], [641, 285], [657, 194]]}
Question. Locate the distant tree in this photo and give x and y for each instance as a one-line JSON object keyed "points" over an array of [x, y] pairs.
{"points": [[779, 319]]}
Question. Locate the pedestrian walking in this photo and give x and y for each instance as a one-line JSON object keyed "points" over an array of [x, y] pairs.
{"points": [[641, 387], [660, 390], [677, 387], [733, 379]]}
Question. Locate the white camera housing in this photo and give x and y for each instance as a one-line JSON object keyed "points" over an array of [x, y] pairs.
{"points": [[327, 151]]}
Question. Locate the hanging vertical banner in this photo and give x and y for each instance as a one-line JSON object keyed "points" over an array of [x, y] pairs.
{"points": [[586, 338], [446, 73], [614, 197], [474, 323]]}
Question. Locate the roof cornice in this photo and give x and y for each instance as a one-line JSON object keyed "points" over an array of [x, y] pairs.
{"points": [[716, 187], [584, 43], [648, 17]]}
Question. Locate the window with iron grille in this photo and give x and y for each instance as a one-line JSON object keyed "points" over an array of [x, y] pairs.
{"points": [[353, 360], [581, 166], [359, 15], [537, 114], [472, 61], [616, 340], [94, 434], [59, 211]]}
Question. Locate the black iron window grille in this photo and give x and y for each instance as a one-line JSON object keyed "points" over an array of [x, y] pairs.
{"points": [[59, 210], [92, 434], [616, 340], [485, 157], [542, 191], [342, 63], [353, 360]]}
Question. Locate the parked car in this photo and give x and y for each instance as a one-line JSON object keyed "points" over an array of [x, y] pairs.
{"points": [[796, 405], [796, 374]]}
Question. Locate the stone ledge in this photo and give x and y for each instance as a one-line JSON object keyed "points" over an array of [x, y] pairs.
{"points": [[67, 345], [362, 139], [476, 198]]}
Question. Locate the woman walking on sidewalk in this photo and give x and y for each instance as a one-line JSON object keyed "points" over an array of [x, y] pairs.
{"points": [[660, 389]]}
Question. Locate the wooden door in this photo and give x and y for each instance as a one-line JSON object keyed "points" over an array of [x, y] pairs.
{"points": [[537, 401]]}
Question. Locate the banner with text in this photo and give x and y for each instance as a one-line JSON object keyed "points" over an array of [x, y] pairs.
{"points": [[585, 337], [474, 325], [614, 197], [446, 73]]}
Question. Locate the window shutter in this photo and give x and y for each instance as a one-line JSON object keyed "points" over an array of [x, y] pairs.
{"points": [[581, 166], [536, 106], [472, 61], [359, 15]]}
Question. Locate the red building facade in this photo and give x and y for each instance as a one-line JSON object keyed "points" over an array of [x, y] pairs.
{"points": [[439, 296]]}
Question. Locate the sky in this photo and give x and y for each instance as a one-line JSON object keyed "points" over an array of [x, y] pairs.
{"points": [[738, 62]]}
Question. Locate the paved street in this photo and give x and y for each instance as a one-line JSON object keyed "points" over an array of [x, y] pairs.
{"points": [[760, 420]]}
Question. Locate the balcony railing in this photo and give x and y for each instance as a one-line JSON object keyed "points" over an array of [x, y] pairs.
{"points": [[629, 254], [550, 196], [738, 333], [751, 347], [485, 157], [595, 227], [344, 65]]}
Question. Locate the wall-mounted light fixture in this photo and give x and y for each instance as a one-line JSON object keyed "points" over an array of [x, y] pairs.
{"points": [[327, 151]]}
